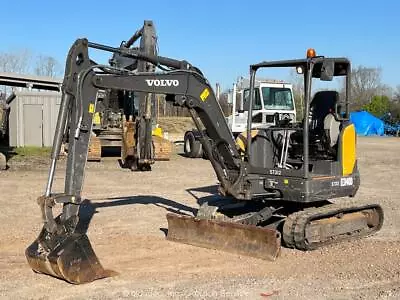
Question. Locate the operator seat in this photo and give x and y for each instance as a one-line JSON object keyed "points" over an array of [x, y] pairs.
{"points": [[324, 126]]}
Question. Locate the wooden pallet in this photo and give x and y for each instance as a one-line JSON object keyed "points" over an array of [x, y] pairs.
{"points": [[94, 153], [162, 148]]}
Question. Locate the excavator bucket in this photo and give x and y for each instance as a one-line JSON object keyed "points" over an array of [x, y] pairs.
{"points": [[70, 258], [236, 238]]}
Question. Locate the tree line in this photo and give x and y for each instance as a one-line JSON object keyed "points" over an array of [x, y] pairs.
{"points": [[368, 92], [24, 62]]}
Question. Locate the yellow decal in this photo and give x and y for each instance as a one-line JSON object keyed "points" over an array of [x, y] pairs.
{"points": [[204, 94], [348, 149], [91, 108], [157, 132], [96, 119]]}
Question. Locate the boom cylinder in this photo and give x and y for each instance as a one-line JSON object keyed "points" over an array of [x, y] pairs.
{"points": [[156, 60]]}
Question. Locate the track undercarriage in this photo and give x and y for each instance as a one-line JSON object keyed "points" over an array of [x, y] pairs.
{"points": [[304, 228]]}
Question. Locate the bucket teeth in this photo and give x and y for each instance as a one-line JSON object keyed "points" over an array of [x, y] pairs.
{"points": [[236, 238], [68, 257]]}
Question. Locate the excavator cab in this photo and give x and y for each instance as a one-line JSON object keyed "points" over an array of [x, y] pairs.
{"points": [[317, 135]]}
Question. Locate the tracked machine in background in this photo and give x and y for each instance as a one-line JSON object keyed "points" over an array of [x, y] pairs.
{"points": [[279, 188], [125, 118]]}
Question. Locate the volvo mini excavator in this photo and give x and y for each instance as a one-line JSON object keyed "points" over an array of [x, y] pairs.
{"points": [[286, 186]]}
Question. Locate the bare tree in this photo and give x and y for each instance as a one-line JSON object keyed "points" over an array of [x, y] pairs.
{"points": [[47, 66], [396, 94], [365, 84], [16, 62]]}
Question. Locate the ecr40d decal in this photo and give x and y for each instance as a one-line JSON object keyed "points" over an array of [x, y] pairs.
{"points": [[345, 181]]}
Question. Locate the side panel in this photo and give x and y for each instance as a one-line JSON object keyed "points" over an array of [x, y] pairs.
{"points": [[33, 121], [311, 190], [347, 149]]}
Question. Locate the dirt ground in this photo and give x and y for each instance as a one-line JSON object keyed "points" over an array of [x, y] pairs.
{"points": [[126, 232]]}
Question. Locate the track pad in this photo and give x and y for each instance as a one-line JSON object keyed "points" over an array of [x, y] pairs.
{"points": [[68, 257]]}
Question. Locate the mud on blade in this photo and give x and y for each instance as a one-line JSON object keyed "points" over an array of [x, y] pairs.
{"points": [[230, 237], [68, 257]]}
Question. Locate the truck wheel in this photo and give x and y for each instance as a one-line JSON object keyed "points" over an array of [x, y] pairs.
{"points": [[192, 147]]}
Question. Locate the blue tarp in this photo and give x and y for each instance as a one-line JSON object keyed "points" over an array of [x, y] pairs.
{"points": [[367, 124]]}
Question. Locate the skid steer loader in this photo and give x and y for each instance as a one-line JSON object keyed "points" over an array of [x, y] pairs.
{"points": [[279, 188]]}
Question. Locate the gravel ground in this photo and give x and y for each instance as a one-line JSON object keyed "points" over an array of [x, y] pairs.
{"points": [[126, 232]]}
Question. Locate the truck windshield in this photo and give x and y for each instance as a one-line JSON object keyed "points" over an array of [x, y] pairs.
{"points": [[277, 98]]}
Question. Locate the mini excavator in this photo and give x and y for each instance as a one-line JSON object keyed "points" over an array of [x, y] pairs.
{"points": [[288, 185]]}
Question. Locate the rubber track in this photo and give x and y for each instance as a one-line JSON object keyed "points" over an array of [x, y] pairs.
{"points": [[295, 225]]}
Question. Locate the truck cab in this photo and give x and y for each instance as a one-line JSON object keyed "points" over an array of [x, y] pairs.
{"points": [[273, 99]]}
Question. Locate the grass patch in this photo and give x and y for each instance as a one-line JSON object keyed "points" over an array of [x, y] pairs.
{"points": [[32, 151], [25, 153]]}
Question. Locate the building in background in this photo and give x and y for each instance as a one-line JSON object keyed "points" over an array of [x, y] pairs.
{"points": [[33, 118], [31, 109]]}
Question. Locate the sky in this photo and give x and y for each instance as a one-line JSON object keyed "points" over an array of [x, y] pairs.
{"points": [[222, 38]]}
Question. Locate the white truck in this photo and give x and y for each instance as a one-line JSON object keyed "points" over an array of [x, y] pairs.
{"points": [[273, 99]]}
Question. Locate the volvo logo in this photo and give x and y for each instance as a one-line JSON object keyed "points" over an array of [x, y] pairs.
{"points": [[162, 82]]}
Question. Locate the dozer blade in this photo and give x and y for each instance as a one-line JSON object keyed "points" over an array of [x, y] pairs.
{"points": [[236, 238], [70, 258]]}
